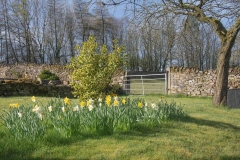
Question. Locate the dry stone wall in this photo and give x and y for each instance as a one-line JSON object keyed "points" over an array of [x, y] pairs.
{"points": [[28, 87], [31, 71], [22, 80], [193, 82]]}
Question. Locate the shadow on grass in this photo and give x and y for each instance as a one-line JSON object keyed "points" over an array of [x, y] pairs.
{"points": [[210, 123], [230, 158]]}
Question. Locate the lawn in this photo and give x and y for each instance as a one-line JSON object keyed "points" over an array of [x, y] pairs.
{"points": [[147, 86], [207, 133]]}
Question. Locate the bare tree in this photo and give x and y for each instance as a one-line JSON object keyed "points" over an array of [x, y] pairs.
{"points": [[222, 15]]}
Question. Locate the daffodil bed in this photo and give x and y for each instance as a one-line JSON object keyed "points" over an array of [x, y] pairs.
{"points": [[102, 116]]}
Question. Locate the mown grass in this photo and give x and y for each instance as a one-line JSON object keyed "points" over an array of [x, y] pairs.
{"points": [[154, 86], [206, 133]]}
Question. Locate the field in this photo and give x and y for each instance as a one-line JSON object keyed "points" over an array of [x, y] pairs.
{"points": [[206, 133], [147, 86]]}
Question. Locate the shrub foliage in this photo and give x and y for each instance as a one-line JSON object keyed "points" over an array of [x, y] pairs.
{"points": [[94, 68], [47, 75]]}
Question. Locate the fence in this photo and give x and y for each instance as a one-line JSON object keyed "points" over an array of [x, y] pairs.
{"points": [[136, 83]]}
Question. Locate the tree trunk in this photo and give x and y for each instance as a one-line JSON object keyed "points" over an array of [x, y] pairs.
{"points": [[220, 94]]}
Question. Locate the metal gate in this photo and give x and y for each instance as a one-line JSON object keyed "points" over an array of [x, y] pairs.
{"points": [[140, 83]]}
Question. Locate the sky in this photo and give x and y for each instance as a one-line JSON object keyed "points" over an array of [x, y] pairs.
{"points": [[116, 11]]}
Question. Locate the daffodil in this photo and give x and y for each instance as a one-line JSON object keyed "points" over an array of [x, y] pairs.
{"points": [[19, 115], [33, 99], [50, 108], [40, 116], [108, 100], [10, 105], [115, 98], [13, 105], [115, 103], [82, 104], [153, 105], [36, 109], [76, 108], [67, 100], [90, 102], [99, 100], [124, 101], [63, 109], [160, 99], [90, 107], [140, 105]]}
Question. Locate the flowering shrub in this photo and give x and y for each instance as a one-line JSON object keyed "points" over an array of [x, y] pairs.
{"points": [[94, 68], [103, 116]]}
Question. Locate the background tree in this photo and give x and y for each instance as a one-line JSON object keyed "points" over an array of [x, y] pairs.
{"points": [[223, 16]]}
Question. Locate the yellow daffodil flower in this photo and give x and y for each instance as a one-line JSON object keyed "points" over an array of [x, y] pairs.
{"points": [[82, 104], [67, 100], [115, 103], [124, 101], [108, 100], [14, 105], [33, 99], [140, 105]]}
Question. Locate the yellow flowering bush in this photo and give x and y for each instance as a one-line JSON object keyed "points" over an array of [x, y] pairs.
{"points": [[94, 68]]}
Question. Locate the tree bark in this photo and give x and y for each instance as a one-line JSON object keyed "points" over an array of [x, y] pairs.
{"points": [[220, 94]]}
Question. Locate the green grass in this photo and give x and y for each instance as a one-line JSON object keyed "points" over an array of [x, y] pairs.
{"points": [[155, 86], [207, 133]]}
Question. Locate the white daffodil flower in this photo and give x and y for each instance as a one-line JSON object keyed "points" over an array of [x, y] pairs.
{"points": [[154, 106], [63, 109], [19, 115], [50, 108], [115, 98], [90, 107], [36, 109], [40, 116], [76, 108]]}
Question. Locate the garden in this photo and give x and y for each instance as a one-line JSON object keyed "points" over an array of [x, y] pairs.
{"points": [[118, 127], [100, 123]]}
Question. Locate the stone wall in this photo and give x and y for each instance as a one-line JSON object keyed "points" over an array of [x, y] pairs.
{"points": [[31, 71], [28, 87], [193, 82], [22, 80]]}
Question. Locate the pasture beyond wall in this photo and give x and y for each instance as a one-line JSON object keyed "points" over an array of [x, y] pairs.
{"points": [[193, 82]]}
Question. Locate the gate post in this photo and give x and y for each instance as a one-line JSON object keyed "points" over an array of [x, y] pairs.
{"points": [[168, 80]]}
